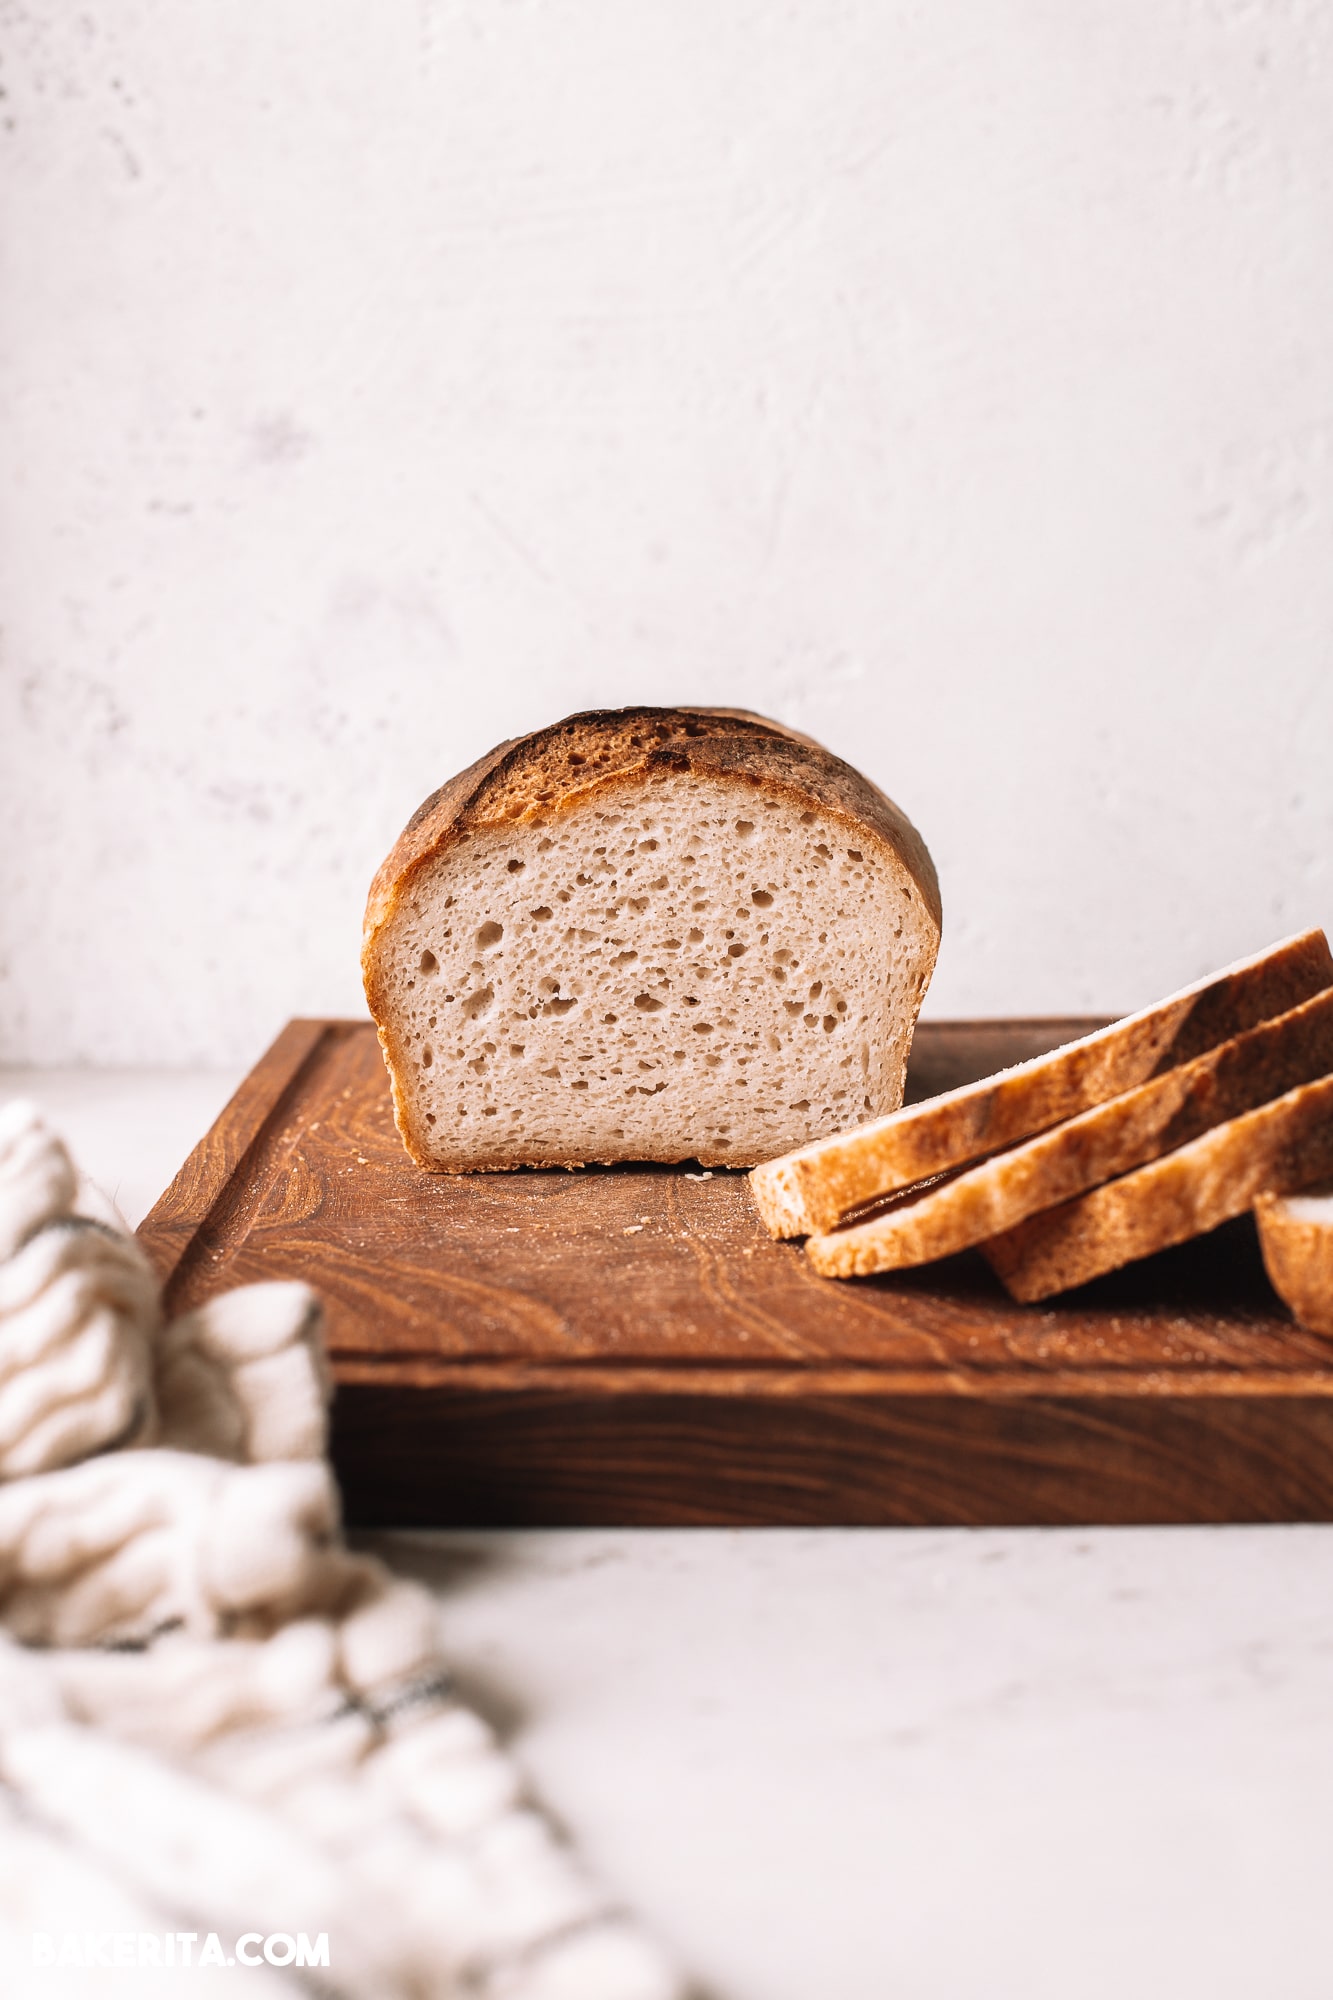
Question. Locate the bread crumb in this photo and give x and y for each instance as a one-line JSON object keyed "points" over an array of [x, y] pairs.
{"points": [[635, 1229]]}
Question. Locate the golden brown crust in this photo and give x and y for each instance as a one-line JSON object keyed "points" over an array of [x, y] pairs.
{"points": [[1113, 1138], [1281, 1146], [810, 1191], [1298, 1254], [548, 772]]}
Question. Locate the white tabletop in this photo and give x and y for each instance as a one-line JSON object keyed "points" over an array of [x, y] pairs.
{"points": [[898, 1764]]}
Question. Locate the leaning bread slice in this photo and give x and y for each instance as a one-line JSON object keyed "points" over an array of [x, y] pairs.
{"points": [[815, 1188], [1112, 1139], [1278, 1147], [648, 934], [1296, 1237]]}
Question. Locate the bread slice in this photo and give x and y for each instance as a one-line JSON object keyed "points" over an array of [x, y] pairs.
{"points": [[1281, 1146], [812, 1190], [1111, 1139], [1296, 1237], [648, 934]]}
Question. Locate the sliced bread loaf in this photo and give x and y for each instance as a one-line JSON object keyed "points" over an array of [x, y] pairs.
{"points": [[652, 934], [815, 1188], [1112, 1139], [1296, 1237], [1281, 1146]]}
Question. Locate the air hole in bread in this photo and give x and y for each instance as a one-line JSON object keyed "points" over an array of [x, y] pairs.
{"points": [[429, 962]]}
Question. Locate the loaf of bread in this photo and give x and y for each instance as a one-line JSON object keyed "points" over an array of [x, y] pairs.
{"points": [[648, 934], [815, 1188], [1083, 1152], [1296, 1237]]}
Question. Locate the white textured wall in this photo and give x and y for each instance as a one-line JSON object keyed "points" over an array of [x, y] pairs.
{"points": [[382, 377]]}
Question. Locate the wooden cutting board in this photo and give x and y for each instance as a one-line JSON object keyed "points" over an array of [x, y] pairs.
{"points": [[627, 1345]]}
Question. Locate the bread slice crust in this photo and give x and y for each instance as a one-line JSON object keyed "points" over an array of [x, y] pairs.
{"points": [[606, 757], [1110, 1140], [1280, 1146], [1296, 1239], [810, 1191]]}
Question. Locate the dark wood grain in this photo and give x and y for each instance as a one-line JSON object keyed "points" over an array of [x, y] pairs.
{"points": [[628, 1345]]}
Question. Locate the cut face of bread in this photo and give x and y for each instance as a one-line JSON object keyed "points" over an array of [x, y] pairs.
{"points": [[698, 956]]}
